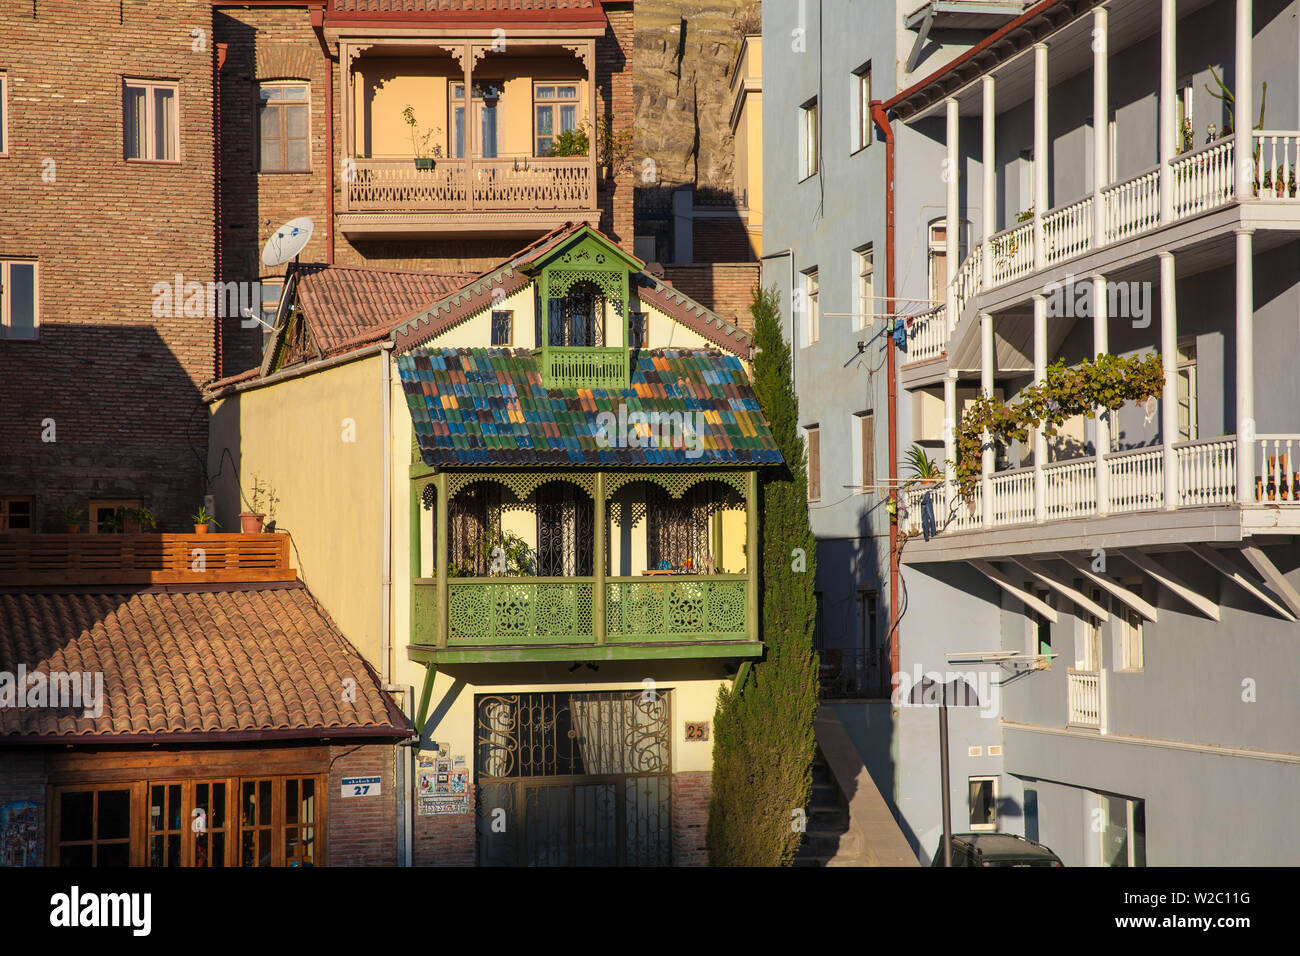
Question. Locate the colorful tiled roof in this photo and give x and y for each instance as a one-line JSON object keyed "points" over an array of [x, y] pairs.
{"points": [[341, 303], [488, 407], [258, 661]]}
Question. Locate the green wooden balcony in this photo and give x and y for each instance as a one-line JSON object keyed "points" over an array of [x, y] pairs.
{"points": [[585, 367]]}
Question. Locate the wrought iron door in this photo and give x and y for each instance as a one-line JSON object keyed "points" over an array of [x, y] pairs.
{"points": [[565, 531], [573, 779]]}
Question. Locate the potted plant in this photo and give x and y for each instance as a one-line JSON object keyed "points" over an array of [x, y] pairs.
{"points": [[922, 466], [203, 522], [1291, 183], [262, 506], [133, 520], [422, 142], [72, 516], [1279, 183]]}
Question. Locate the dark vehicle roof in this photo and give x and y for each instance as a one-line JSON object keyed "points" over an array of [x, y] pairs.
{"points": [[1004, 846]]}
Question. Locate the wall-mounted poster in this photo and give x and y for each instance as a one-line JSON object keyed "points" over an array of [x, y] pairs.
{"points": [[436, 784], [19, 832]]}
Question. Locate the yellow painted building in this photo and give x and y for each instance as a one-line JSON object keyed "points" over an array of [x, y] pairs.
{"points": [[527, 501], [747, 134]]}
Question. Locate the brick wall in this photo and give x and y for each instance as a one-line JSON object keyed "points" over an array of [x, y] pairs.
{"points": [[119, 384], [725, 287], [691, 791], [614, 80], [722, 240], [363, 830], [22, 779], [446, 840]]}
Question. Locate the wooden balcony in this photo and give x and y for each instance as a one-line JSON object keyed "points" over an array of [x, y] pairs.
{"points": [[43, 560], [392, 195]]}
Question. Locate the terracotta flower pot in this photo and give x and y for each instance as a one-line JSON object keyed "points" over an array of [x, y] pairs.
{"points": [[132, 526], [71, 528], [201, 529], [250, 523]]}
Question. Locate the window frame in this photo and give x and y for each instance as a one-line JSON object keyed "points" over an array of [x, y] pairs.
{"points": [[1131, 658], [281, 108], [812, 288], [808, 140], [993, 803], [864, 456], [6, 501], [864, 257], [556, 115], [509, 315], [641, 342], [863, 135], [6, 317], [813, 444], [54, 842], [151, 86], [1186, 371], [110, 505]]}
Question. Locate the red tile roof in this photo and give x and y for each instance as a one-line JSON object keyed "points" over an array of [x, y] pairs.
{"points": [[342, 304], [257, 662]]}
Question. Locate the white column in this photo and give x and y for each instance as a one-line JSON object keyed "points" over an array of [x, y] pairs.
{"points": [[949, 435], [1040, 150], [990, 199], [1169, 359], [952, 249], [1040, 436], [1101, 345], [1245, 369], [1243, 107], [986, 387], [1168, 105], [1100, 124]]}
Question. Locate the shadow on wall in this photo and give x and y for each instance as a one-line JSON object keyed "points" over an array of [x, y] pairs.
{"points": [[98, 411]]}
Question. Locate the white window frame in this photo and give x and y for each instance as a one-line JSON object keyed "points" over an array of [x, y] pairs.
{"points": [[554, 104], [982, 827], [809, 154], [864, 260], [6, 323], [1131, 656], [1090, 634], [1187, 359], [150, 139], [861, 90], [812, 306], [1130, 808], [4, 114], [1033, 620], [814, 493], [280, 106]]}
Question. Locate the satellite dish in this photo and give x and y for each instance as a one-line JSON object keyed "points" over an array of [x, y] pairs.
{"points": [[287, 241]]}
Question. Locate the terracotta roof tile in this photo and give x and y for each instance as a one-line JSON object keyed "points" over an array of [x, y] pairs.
{"points": [[262, 659]]}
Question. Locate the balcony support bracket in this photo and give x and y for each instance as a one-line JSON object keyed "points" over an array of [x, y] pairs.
{"points": [[1173, 582], [1116, 590], [1220, 563], [1269, 572], [426, 692], [1061, 587], [1001, 580]]}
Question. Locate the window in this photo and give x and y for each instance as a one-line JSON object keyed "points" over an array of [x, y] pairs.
{"points": [[150, 121], [808, 154], [503, 326], [813, 436], [1025, 179], [15, 514], [1130, 633], [1040, 634], [92, 827], [983, 803], [1124, 831], [1187, 398], [4, 114], [19, 300], [103, 511], [577, 319], [555, 111], [866, 287], [1087, 655], [812, 306], [639, 330], [1186, 119], [862, 106], [865, 440], [269, 307], [483, 125], [284, 123]]}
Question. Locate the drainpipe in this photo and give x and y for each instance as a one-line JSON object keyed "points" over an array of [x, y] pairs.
{"points": [[318, 24], [219, 60], [386, 516], [881, 119]]}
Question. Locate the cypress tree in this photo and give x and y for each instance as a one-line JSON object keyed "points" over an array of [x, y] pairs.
{"points": [[763, 730]]}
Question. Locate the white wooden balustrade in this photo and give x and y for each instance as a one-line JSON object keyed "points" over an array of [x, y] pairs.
{"points": [[1136, 480], [1013, 496], [1085, 696], [1276, 155], [1207, 471], [1132, 206], [1070, 488], [928, 336], [1067, 232]]}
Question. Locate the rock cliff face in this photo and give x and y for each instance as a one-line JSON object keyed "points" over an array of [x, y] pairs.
{"points": [[685, 52]]}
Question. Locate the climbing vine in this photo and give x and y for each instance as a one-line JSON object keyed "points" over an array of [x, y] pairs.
{"points": [[1107, 382]]}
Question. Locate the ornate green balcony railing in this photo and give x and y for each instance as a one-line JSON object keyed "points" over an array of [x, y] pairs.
{"points": [[585, 367], [676, 608], [560, 611], [521, 611]]}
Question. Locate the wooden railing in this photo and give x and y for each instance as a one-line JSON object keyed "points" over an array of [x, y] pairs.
{"points": [[1204, 179], [1067, 231], [1136, 478], [458, 185], [1277, 154], [1087, 698], [580, 367], [928, 337], [1132, 206], [142, 559]]}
